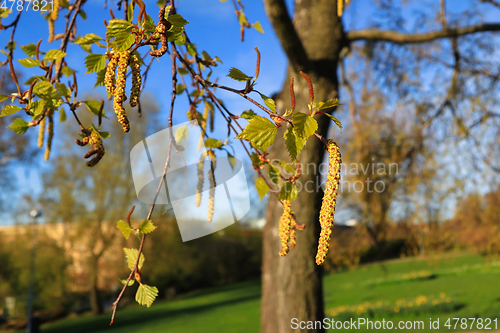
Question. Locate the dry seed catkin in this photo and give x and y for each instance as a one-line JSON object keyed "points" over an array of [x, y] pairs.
{"points": [[284, 227], [135, 66], [326, 215]]}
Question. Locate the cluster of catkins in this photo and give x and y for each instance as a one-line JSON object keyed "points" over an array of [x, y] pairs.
{"points": [[288, 229], [329, 201], [95, 140], [211, 178], [119, 63]]}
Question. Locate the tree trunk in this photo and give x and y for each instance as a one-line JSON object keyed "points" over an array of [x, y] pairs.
{"points": [[292, 285], [95, 297]]}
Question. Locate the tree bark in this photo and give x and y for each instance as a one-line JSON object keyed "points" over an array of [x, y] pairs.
{"points": [[292, 285], [94, 295]]}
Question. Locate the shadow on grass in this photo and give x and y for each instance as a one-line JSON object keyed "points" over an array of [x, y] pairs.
{"points": [[129, 318]]}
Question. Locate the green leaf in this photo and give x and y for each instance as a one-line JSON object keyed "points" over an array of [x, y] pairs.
{"points": [[45, 90], [259, 131], [104, 134], [179, 89], [206, 56], [36, 107], [100, 78], [124, 228], [146, 295], [258, 27], [181, 134], [9, 109], [4, 12], [121, 31], [131, 255], [146, 227], [94, 107], [262, 187], [130, 282], [271, 104], [248, 114], [328, 104], [335, 120], [62, 89], [3, 98], [212, 143], [182, 71], [232, 160], [236, 74], [19, 126], [130, 11], [304, 125], [294, 143], [288, 192], [274, 174], [177, 20], [191, 48], [62, 115], [29, 62], [256, 161], [29, 49], [67, 71], [87, 39], [95, 63], [52, 55]]}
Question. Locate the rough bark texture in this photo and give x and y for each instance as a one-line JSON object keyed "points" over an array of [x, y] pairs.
{"points": [[292, 285]]}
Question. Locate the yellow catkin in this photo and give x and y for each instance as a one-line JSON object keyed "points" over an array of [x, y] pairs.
{"points": [[55, 10], [109, 77], [326, 215], [41, 132], [340, 7], [51, 31], [284, 227], [96, 141], [119, 92], [50, 133], [211, 192], [135, 66], [199, 187]]}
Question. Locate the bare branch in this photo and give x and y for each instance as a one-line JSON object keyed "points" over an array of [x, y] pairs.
{"points": [[278, 15], [493, 2], [402, 38]]}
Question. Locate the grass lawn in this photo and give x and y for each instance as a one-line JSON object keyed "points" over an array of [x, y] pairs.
{"points": [[468, 281]]}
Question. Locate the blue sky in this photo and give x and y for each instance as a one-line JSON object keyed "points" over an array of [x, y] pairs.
{"points": [[214, 28]]}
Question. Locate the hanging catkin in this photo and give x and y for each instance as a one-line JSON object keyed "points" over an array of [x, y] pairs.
{"points": [[326, 215], [50, 133]]}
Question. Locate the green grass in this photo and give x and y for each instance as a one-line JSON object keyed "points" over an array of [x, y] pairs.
{"points": [[235, 308]]}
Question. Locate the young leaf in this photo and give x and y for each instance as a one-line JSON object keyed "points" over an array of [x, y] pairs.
{"points": [[146, 227], [304, 125], [231, 159], [177, 20], [3, 98], [335, 120], [29, 49], [95, 63], [146, 295], [62, 89], [104, 135], [248, 114], [100, 78], [274, 174], [9, 109], [259, 131], [257, 26], [288, 191], [131, 255], [212, 143], [130, 282], [87, 39], [19, 126], [29, 62], [328, 104], [236, 74], [94, 107], [124, 228], [294, 143], [67, 71], [121, 31], [271, 104], [52, 55], [181, 134], [262, 187]]}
